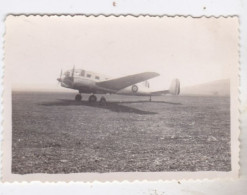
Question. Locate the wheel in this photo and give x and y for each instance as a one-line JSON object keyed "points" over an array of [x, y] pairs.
{"points": [[92, 98], [78, 97], [102, 101]]}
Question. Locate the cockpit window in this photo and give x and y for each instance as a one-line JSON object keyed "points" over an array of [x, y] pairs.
{"points": [[88, 75], [97, 77]]}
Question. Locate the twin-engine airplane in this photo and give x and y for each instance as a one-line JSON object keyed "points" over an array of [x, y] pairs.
{"points": [[93, 83]]}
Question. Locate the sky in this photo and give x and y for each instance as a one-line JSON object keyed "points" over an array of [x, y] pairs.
{"points": [[194, 50]]}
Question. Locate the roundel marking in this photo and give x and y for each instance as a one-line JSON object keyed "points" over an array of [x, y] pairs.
{"points": [[134, 88]]}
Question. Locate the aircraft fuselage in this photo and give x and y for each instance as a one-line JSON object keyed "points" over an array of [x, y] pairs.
{"points": [[85, 84], [94, 83]]}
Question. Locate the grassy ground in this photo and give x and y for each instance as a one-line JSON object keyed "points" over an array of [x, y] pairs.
{"points": [[54, 134]]}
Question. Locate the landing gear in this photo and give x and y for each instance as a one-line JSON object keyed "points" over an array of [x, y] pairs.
{"points": [[92, 98], [102, 101], [78, 97]]}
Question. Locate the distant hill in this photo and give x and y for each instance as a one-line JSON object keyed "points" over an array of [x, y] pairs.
{"points": [[214, 88]]}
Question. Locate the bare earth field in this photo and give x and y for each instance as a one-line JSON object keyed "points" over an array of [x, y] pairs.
{"points": [[54, 134]]}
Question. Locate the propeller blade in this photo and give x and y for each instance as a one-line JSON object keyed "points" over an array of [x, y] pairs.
{"points": [[60, 78], [61, 73], [73, 72]]}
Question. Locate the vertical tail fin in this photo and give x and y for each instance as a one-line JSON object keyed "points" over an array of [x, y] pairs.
{"points": [[175, 87]]}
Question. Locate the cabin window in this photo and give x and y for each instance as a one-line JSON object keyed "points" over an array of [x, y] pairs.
{"points": [[88, 75], [77, 72], [97, 77], [83, 73]]}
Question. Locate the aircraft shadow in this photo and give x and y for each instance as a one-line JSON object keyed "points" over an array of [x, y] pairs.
{"points": [[112, 106], [142, 101]]}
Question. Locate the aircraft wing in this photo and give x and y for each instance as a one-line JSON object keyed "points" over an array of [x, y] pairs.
{"points": [[123, 82]]}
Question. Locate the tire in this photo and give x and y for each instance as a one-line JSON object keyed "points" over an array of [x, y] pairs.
{"points": [[78, 97], [102, 101], [92, 98]]}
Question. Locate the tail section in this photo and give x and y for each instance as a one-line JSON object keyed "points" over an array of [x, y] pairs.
{"points": [[175, 87], [173, 90]]}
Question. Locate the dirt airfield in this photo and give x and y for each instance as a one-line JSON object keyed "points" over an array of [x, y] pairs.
{"points": [[54, 134]]}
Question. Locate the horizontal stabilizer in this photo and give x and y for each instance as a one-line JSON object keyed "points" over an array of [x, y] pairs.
{"points": [[173, 90], [123, 82], [164, 92]]}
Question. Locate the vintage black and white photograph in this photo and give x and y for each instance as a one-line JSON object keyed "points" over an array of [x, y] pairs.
{"points": [[126, 94]]}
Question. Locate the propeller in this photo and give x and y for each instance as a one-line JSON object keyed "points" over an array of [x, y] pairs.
{"points": [[60, 78], [61, 73], [73, 73]]}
